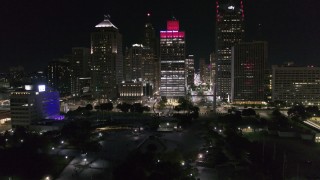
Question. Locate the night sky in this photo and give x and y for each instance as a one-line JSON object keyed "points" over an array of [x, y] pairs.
{"points": [[34, 32]]}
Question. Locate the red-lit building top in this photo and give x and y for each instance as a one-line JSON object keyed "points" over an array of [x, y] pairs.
{"points": [[172, 30]]}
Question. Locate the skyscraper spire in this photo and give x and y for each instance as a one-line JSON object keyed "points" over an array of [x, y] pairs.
{"points": [[106, 22], [107, 17]]}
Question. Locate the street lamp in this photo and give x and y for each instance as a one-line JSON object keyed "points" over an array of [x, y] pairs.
{"points": [[200, 156]]}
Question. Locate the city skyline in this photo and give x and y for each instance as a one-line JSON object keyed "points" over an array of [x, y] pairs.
{"points": [[35, 33]]}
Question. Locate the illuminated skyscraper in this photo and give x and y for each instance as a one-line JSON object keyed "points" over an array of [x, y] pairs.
{"points": [[229, 32], [107, 60], [172, 61], [248, 72], [59, 76], [79, 62], [190, 70], [151, 65]]}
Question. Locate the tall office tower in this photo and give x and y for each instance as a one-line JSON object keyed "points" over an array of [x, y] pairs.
{"points": [[190, 71], [248, 72], [16, 76], [202, 67], [213, 65], [133, 63], [268, 83], [229, 32], [150, 39], [79, 62], [172, 61], [151, 42], [294, 84], [205, 70], [107, 60], [140, 66], [59, 76]]}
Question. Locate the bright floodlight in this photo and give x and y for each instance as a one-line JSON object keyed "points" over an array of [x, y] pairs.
{"points": [[41, 88]]}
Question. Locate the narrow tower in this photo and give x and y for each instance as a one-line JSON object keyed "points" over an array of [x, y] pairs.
{"points": [[107, 60], [172, 61], [229, 32]]}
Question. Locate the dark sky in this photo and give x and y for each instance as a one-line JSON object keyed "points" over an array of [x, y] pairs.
{"points": [[33, 32]]}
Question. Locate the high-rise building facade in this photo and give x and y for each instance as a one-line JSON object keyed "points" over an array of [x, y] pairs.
{"points": [[190, 70], [172, 61], [107, 60], [205, 70], [248, 80], [213, 65], [151, 66], [293, 84], [229, 32], [79, 64], [59, 76], [140, 66]]}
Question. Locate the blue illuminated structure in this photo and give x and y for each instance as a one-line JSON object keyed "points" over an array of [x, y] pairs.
{"points": [[48, 105], [31, 105]]}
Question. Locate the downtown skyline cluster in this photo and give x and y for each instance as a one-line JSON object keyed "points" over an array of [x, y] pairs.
{"points": [[50, 29]]}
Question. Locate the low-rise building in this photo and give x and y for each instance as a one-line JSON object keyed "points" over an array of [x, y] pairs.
{"points": [[31, 105]]}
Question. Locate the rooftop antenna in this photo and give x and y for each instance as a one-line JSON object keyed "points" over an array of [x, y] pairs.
{"points": [[107, 17]]}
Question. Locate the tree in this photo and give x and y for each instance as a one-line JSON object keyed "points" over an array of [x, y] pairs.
{"points": [[297, 110], [248, 112], [124, 107], [137, 107], [89, 107], [106, 106], [162, 103]]}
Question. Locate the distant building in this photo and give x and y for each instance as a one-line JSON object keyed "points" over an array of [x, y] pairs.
{"points": [[248, 72], [107, 60], [213, 65], [150, 41], [296, 84], [16, 76], [205, 70], [33, 104], [37, 77], [190, 70], [172, 64], [4, 81], [59, 76], [5, 116], [79, 65], [140, 66], [131, 92], [229, 32]]}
